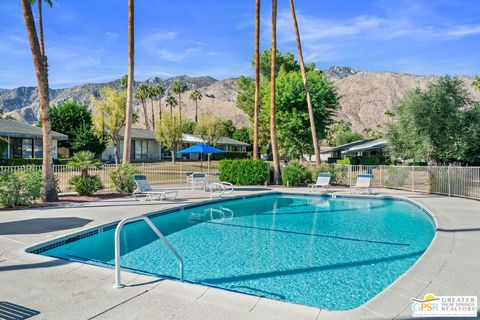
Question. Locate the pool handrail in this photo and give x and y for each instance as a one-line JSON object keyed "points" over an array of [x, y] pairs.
{"points": [[118, 281]]}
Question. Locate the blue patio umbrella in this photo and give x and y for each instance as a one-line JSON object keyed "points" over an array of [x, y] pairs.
{"points": [[202, 148]]}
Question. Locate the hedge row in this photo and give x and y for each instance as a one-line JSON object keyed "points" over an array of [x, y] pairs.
{"points": [[244, 172], [30, 161], [231, 155]]}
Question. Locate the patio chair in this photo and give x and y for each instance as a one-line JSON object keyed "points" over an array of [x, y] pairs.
{"points": [[197, 179], [363, 183], [323, 181], [144, 189]]}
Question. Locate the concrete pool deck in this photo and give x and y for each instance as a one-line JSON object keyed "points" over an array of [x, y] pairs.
{"points": [[58, 289]]}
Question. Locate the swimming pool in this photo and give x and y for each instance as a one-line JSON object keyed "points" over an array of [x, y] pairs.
{"points": [[329, 253]]}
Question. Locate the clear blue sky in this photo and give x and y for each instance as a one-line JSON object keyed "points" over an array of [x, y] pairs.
{"points": [[86, 41]]}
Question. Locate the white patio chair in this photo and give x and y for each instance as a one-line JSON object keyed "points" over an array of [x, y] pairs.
{"points": [[323, 181], [364, 182], [144, 189]]}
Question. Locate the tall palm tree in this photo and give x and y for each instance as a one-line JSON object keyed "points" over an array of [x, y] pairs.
{"points": [[179, 87], [41, 73], [273, 117], [142, 93], [195, 96], [160, 92], [172, 102], [256, 107], [152, 94], [127, 137], [305, 85], [124, 82]]}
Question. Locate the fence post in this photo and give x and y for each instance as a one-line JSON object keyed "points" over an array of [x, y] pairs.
{"points": [[413, 178], [381, 176], [349, 175], [448, 181]]}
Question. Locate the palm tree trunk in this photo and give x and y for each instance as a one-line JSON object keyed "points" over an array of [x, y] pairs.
{"points": [[273, 118], [153, 114], [127, 141], [145, 114], [256, 107], [40, 27], [305, 85], [160, 108], [50, 191], [179, 105], [196, 111]]}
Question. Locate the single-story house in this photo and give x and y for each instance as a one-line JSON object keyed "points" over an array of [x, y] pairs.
{"points": [[146, 148], [361, 148], [25, 141]]}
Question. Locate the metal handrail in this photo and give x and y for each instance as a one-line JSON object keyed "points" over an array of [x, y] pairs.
{"points": [[118, 282]]}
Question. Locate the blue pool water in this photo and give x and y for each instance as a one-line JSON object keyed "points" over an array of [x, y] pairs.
{"points": [[329, 253]]}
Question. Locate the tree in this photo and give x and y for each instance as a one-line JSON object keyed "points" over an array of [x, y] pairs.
{"points": [[316, 149], [432, 124], [142, 93], [211, 129], [152, 94], [179, 87], [41, 73], [476, 83], [273, 115], [294, 133], [72, 118], [159, 92], [171, 102], [169, 132], [84, 161], [256, 62], [242, 134], [124, 82], [341, 133], [195, 96], [109, 116], [127, 139], [228, 128]]}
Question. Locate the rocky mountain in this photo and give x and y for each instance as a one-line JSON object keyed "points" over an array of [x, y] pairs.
{"points": [[365, 96]]}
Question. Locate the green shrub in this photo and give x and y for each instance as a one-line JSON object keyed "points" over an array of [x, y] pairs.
{"points": [[32, 161], [396, 176], [230, 155], [244, 172], [122, 178], [348, 160], [3, 146], [324, 167], [374, 160], [20, 188], [86, 185], [295, 174]]}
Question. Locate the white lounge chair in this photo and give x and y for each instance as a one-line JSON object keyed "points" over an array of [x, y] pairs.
{"points": [[197, 179], [144, 189], [363, 183], [323, 181]]}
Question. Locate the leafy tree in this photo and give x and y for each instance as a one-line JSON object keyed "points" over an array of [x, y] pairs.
{"points": [[189, 127], [211, 129], [72, 119], [109, 116], [228, 128], [293, 125], [285, 62], [171, 102], [242, 134], [169, 132], [341, 133], [435, 124], [179, 87], [143, 93], [196, 96]]}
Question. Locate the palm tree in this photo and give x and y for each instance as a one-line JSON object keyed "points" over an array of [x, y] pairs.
{"points": [[124, 82], [127, 137], [151, 94], [179, 87], [273, 118], [41, 73], [195, 96], [84, 160], [160, 92], [172, 102], [142, 94], [305, 85], [256, 107]]}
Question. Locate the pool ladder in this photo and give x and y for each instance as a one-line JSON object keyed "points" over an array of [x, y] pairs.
{"points": [[118, 281]]}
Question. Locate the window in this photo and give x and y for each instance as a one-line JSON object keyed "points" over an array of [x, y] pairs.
{"points": [[140, 149], [27, 148], [15, 148], [38, 149]]}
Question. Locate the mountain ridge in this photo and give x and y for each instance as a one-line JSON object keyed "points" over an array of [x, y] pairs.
{"points": [[364, 96]]}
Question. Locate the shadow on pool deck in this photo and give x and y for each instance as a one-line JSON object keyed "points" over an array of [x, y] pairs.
{"points": [[41, 225], [39, 265], [309, 269], [11, 311]]}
